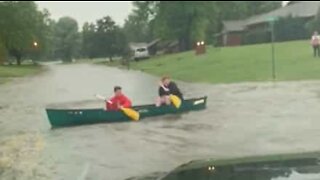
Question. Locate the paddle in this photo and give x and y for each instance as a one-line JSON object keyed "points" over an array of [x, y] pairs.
{"points": [[131, 113], [176, 101]]}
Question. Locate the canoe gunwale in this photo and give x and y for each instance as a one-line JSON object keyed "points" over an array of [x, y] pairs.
{"points": [[133, 107], [71, 117]]}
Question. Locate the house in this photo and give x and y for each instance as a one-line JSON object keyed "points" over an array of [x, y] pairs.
{"points": [[152, 47], [233, 31]]}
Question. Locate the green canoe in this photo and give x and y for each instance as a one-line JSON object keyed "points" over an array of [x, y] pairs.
{"points": [[72, 117]]}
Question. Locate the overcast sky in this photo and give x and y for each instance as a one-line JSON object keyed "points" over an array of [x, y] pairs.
{"points": [[89, 11]]}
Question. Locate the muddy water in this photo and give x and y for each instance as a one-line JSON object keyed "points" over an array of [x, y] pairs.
{"points": [[241, 120]]}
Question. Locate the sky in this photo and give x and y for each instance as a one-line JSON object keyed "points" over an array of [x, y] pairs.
{"points": [[90, 11]]}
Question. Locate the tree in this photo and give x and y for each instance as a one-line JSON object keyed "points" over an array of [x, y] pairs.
{"points": [[314, 24], [290, 28], [103, 39], [186, 21], [138, 26], [3, 53], [182, 20], [88, 40], [67, 38], [136, 30], [20, 25], [259, 7]]}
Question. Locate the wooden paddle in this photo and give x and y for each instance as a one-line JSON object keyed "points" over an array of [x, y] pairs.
{"points": [[131, 113], [176, 101]]}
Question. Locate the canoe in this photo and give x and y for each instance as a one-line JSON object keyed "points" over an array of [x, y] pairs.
{"points": [[72, 117]]}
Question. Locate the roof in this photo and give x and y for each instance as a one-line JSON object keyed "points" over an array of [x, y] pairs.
{"points": [[135, 45], [154, 42], [233, 25], [298, 9]]}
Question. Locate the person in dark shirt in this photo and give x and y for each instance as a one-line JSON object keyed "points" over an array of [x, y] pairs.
{"points": [[167, 87]]}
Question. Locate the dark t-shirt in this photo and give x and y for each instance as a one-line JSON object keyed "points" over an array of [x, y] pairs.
{"points": [[173, 89]]}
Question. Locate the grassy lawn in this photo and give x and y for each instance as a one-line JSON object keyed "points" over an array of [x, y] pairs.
{"points": [[294, 61], [7, 72]]}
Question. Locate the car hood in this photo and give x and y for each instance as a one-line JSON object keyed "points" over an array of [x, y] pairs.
{"points": [[279, 169]]}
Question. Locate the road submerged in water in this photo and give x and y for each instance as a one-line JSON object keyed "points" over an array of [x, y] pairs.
{"points": [[244, 119]]}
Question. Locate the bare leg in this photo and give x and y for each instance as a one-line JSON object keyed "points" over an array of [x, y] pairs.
{"points": [[167, 100], [158, 101], [163, 100]]}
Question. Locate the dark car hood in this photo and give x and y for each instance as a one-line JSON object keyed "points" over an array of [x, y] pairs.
{"points": [[274, 167], [279, 169]]}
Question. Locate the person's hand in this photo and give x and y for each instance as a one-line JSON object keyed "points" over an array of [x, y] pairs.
{"points": [[119, 106]]}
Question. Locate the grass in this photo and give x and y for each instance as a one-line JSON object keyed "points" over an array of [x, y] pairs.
{"points": [[294, 61], [7, 72]]}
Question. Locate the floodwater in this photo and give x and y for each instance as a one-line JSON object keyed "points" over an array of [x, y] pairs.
{"points": [[241, 120]]}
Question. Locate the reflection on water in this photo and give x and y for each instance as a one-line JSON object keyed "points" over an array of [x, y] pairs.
{"points": [[241, 120]]}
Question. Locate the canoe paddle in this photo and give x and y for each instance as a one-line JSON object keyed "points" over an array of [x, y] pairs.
{"points": [[176, 101], [131, 113]]}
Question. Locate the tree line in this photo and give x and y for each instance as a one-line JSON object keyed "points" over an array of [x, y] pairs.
{"points": [[188, 21], [27, 32]]}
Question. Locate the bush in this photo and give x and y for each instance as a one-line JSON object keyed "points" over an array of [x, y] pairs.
{"points": [[3, 54], [314, 24], [285, 29], [257, 36], [290, 28]]}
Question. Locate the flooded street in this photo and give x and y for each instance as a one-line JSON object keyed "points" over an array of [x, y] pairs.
{"points": [[240, 120]]}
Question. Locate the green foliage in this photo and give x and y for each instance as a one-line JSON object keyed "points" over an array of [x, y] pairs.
{"points": [[285, 29], [3, 53], [67, 38], [314, 24], [258, 7], [183, 20], [136, 30], [188, 22], [256, 36], [21, 24], [88, 35], [138, 26], [18, 71], [290, 28], [104, 39]]}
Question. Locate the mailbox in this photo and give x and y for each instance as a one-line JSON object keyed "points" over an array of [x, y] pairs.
{"points": [[200, 48]]}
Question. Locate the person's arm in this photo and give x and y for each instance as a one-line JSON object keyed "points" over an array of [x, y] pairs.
{"points": [[312, 40], [98, 96], [126, 102], [175, 90], [174, 87], [163, 91], [110, 104]]}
